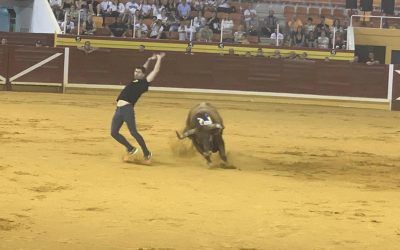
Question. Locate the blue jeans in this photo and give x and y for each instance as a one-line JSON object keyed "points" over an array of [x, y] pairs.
{"points": [[127, 114]]}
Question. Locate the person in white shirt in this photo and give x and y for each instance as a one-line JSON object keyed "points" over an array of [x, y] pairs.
{"points": [[249, 13], [199, 21], [121, 8], [323, 41], [275, 35], [182, 30], [107, 8], [141, 29], [227, 26], [69, 26], [132, 6], [146, 9], [157, 30]]}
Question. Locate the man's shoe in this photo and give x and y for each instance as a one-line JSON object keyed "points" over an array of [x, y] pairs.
{"points": [[147, 159]]}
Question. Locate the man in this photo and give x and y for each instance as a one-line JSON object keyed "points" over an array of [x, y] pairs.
{"points": [[269, 24], [183, 10], [125, 107], [118, 29]]}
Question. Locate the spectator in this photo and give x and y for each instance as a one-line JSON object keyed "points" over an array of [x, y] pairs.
{"points": [[88, 26], [309, 26], [184, 10], [172, 22], [38, 43], [141, 29], [276, 55], [231, 52], [323, 41], [311, 40], [199, 21], [171, 6], [292, 56], [371, 59], [157, 30], [205, 34], [141, 48], [322, 26], [131, 6], [253, 26], [238, 36], [87, 48], [227, 26], [249, 14], [56, 6], [120, 8], [214, 23], [299, 38], [146, 9], [269, 25], [69, 25], [4, 41], [247, 54], [66, 4], [224, 6], [107, 8], [118, 29], [339, 42], [183, 31], [294, 25], [336, 25], [198, 5], [260, 53], [210, 5], [303, 56], [277, 35], [188, 50], [355, 59], [164, 19]]}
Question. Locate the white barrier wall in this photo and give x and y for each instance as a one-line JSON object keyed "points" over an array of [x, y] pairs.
{"points": [[43, 19]]}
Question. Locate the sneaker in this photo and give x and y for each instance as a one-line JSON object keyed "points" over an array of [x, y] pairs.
{"points": [[133, 151], [147, 158]]}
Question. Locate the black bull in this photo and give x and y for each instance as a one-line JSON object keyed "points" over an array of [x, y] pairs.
{"points": [[204, 126]]}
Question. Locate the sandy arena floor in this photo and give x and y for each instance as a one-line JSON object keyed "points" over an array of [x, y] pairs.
{"points": [[308, 177]]}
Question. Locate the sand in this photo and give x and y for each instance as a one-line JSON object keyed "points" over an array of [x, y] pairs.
{"points": [[310, 176]]}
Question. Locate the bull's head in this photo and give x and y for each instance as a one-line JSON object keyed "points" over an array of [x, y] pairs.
{"points": [[202, 137]]}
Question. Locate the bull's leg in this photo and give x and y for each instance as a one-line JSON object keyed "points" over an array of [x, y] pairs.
{"points": [[201, 151], [221, 148], [222, 153]]}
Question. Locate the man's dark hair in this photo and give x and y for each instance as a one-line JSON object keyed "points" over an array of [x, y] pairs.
{"points": [[310, 19], [143, 69]]}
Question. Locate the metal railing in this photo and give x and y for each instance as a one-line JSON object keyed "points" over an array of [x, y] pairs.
{"points": [[368, 17]]}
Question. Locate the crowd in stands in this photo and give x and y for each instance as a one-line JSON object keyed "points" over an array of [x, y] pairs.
{"points": [[199, 20]]}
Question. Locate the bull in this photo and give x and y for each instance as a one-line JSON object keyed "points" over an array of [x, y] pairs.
{"points": [[204, 126]]}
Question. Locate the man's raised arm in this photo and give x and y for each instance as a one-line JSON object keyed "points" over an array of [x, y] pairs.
{"points": [[150, 77]]}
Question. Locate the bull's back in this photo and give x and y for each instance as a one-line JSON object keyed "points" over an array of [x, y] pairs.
{"points": [[200, 110]]}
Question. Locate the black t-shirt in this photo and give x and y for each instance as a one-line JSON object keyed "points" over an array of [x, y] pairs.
{"points": [[133, 90], [118, 29]]}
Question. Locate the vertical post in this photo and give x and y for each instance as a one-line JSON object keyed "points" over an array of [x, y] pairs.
{"points": [[381, 25], [334, 38], [222, 30], [351, 18], [390, 83], [79, 22], [277, 32], [66, 69], [191, 30], [65, 23], [134, 27]]}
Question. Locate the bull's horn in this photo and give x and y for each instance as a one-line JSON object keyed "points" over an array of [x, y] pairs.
{"points": [[186, 134]]}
